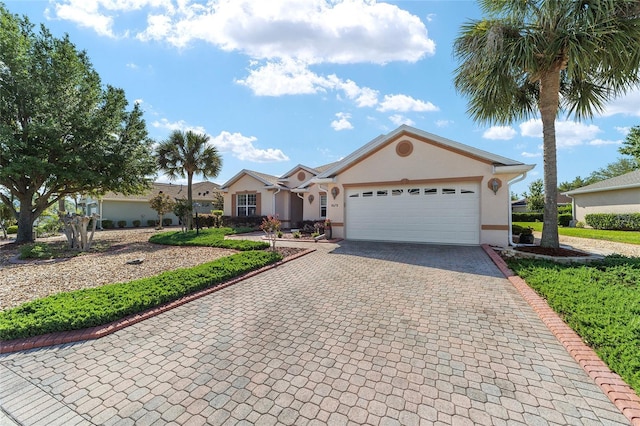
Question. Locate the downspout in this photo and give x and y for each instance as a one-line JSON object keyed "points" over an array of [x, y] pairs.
{"points": [[511, 182], [274, 200]]}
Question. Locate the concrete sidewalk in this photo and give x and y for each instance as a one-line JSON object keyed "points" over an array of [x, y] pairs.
{"points": [[356, 333]]}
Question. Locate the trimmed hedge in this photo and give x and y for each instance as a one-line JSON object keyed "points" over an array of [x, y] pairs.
{"points": [[13, 229], [527, 217], [102, 305], [212, 237], [563, 219], [614, 221], [243, 221], [107, 224]]}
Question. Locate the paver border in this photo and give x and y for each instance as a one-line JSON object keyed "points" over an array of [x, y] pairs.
{"points": [[51, 339], [619, 392]]}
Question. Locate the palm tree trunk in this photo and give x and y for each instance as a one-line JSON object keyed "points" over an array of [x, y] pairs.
{"points": [[190, 201], [549, 101]]}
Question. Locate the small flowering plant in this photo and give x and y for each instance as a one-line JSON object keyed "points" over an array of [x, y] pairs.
{"points": [[271, 226], [327, 223]]}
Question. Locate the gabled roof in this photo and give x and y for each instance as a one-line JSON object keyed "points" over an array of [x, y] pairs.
{"points": [[200, 191], [267, 180], [298, 167], [382, 140], [626, 181]]}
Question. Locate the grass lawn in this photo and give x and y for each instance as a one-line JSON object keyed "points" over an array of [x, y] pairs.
{"points": [[600, 301], [96, 306], [629, 237]]}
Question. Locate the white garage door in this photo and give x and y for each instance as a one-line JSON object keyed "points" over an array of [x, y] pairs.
{"points": [[442, 213]]}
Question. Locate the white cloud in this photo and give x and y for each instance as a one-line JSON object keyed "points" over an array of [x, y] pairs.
{"points": [[404, 103], [132, 66], [242, 147], [598, 142], [568, 133], [531, 154], [285, 78], [444, 123], [315, 31], [342, 123], [628, 104], [399, 120], [623, 130], [500, 133], [238, 145]]}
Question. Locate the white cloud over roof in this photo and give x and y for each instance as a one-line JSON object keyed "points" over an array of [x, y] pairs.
{"points": [[238, 145], [500, 133]]}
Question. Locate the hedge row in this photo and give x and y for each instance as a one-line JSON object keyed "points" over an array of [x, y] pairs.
{"points": [[102, 305], [614, 221], [563, 219]]}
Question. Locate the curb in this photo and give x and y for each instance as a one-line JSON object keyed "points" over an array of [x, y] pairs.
{"points": [[620, 393], [51, 339]]}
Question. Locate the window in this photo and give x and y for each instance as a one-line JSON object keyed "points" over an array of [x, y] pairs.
{"points": [[354, 195], [397, 191], [367, 194], [430, 191], [413, 191], [323, 205], [246, 205], [467, 191], [381, 193]]}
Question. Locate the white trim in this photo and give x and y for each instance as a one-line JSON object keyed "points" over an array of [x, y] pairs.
{"points": [[611, 188]]}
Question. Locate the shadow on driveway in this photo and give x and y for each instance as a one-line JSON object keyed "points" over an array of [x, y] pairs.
{"points": [[464, 259]]}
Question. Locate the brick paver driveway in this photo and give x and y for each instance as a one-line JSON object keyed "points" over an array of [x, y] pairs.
{"points": [[366, 334]]}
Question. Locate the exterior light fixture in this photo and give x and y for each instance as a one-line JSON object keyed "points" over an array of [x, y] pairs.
{"points": [[495, 184], [311, 197], [335, 191]]}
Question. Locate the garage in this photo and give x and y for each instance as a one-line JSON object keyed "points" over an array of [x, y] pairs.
{"points": [[447, 213]]}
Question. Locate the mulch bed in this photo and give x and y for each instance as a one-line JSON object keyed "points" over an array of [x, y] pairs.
{"points": [[555, 252]]}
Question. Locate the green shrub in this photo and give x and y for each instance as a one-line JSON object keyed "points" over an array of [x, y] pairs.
{"points": [[564, 219], [151, 222], [13, 229], [101, 305], [122, 223], [579, 224], [526, 217], [614, 221], [297, 234], [167, 221], [136, 223], [516, 229], [566, 209], [212, 237], [36, 251], [107, 224], [253, 222]]}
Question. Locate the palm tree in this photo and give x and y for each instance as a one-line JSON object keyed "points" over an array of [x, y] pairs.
{"points": [[187, 153], [533, 58]]}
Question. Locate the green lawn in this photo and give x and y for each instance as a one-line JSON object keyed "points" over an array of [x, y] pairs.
{"points": [[600, 301], [629, 237]]}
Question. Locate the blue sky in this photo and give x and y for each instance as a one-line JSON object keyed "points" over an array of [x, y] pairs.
{"points": [[275, 83]]}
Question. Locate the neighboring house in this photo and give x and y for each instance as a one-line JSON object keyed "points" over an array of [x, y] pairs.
{"points": [[407, 185], [520, 206], [116, 207], [251, 193], [620, 194]]}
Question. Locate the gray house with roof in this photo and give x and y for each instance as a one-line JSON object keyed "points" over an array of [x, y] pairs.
{"points": [[620, 194]]}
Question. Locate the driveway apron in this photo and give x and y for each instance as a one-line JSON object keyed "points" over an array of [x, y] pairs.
{"points": [[356, 333]]}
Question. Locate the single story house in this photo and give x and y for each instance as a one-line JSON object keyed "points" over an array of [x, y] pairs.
{"points": [[117, 207], [408, 185], [620, 194]]}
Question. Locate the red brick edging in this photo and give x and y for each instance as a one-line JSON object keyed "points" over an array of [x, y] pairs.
{"points": [[51, 339], [620, 393]]}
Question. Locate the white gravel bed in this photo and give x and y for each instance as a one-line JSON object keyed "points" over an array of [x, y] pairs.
{"points": [[28, 281]]}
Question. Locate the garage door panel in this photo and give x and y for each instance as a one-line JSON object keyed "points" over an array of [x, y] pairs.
{"points": [[436, 213]]}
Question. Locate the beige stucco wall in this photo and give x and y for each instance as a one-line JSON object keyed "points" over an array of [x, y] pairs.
{"points": [[130, 211], [312, 209], [248, 184], [617, 201], [427, 161]]}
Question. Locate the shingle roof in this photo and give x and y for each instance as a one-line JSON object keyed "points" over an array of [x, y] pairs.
{"points": [[200, 191], [628, 180]]}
